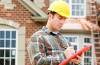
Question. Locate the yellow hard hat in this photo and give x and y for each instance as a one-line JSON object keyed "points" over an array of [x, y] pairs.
{"points": [[60, 7]]}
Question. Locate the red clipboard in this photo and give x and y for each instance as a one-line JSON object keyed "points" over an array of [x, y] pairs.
{"points": [[75, 55]]}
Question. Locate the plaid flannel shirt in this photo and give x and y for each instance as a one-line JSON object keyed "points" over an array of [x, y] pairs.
{"points": [[46, 48]]}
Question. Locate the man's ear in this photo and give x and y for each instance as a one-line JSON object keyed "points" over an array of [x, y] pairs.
{"points": [[50, 16]]}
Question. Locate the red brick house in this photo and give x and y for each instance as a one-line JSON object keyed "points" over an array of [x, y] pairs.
{"points": [[19, 19]]}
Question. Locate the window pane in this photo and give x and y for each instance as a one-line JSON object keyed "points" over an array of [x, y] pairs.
{"points": [[7, 34], [1, 34], [67, 1], [85, 54], [7, 61], [73, 7], [87, 40], [87, 60], [77, 13], [13, 53], [88, 53], [91, 48], [82, 7], [82, 13], [82, 1], [7, 43], [14, 34], [75, 39], [70, 39], [1, 53], [73, 1], [66, 38], [77, 1], [7, 53], [84, 40], [73, 13], [90, 40], [12, 61], [1, 43], [1, 61], [77, 7], [13, 43], [75, 47]]}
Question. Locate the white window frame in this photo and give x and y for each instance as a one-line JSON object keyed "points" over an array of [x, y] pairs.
{"points": [[90, 45], [72, 43], [70, 5], [82, 45], [10, 46]]}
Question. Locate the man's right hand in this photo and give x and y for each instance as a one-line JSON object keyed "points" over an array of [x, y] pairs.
{"points": [[69, 52]]}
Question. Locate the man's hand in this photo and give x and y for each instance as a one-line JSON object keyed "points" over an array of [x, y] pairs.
{"points": [[77, 60], [69, 52]]}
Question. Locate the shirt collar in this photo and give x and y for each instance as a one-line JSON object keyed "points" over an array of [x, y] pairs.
{"points": [[49, 31]]}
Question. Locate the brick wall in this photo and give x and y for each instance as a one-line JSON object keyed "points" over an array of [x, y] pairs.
{"points": [[22, 16], [92, 11], [98, 12], [46, 7]]}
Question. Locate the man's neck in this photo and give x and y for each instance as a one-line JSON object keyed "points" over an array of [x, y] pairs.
{"points": [[50, 28]]}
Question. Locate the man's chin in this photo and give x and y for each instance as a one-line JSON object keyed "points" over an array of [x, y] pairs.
{"points": [[59, 29]]}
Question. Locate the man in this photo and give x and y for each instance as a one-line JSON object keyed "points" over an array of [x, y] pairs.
{"points": [[47, 46]]}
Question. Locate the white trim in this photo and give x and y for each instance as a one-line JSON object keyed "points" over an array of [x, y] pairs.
{"points": [[28, 8], [35, 8], [10, 48], [85, 9], [9, 23], [91, 51], [16, 47], [76, 16]]}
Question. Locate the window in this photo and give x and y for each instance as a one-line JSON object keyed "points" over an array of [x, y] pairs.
{"points": [[8, 47], [77, 8], [88, 56], [85, 40], [73, 41]]}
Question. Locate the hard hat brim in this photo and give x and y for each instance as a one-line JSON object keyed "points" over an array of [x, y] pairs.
{"points": [[62, 14]]}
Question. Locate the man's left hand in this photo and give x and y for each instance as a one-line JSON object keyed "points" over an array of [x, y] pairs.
{"points": [[77, 60]]}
